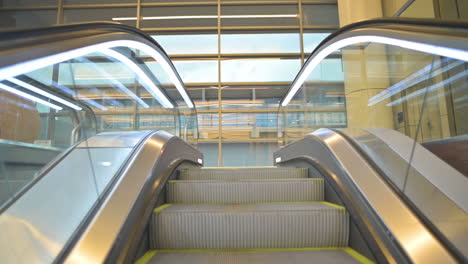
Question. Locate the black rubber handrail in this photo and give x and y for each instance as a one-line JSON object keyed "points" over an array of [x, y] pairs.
{"points": [[425, 24]]}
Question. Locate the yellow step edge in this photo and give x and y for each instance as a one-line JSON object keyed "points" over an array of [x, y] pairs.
{"points": [[334, 205], [233, 168], [162, 207], [246, 250], [354, 254], [243, 180], [357, 256], [146, 257]]}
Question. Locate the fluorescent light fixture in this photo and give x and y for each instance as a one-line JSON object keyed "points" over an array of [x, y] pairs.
{"points": [[28, 96], [421, 47], [146, 81], [44, 93], [200, 161], [204, 17], [278, 159], [123, 18], [28, 66]]}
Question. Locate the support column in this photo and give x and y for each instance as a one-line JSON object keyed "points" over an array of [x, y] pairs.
{"points": [[365, 70]]}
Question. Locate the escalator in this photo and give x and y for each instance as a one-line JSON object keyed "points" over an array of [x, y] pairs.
{"points": [[367, 193]]}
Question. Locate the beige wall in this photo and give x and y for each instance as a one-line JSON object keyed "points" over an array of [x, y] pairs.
{"points": [[19, 119], [419, 8]]}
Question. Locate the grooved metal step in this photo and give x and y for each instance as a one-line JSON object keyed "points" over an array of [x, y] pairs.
{"points": [[242, 173], [272, 225], [293, 256], [245, 191]]}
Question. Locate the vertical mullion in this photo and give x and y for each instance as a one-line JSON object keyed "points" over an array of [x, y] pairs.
{"points": [[138, 14], [301, 30], [59, 12], [301, 42], [220, 130]]}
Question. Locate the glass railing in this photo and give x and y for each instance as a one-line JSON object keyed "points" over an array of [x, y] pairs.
{"points": [[60, 86], [404, 82]]}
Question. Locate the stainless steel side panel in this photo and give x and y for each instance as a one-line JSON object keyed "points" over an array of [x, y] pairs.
{"points": [[152, 160], [415, 239]]}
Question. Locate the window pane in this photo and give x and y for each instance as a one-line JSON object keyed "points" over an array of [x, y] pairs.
{"points": [[197, 71], [260, 43], [312, 40], [328, 70], [259, 70], [99, 14], [188, 44], [84, 2], [27, 18], [320, 15], [11, 3]]}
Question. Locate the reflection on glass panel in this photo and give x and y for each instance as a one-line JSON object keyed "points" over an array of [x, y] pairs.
{"points": [[178, 44], [245, 126], [259, 70], [208, 125], [329, 70], [260, 43], [156, 122], [197, 71], [248, 154], [100, 14], [27, 18], [312, 40]]}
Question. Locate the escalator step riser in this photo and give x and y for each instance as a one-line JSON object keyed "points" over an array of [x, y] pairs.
{"points": [[234, 228], [243, 173], [249, 191]]}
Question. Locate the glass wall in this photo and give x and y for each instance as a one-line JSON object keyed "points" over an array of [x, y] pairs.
{"points": [[237, 61]]}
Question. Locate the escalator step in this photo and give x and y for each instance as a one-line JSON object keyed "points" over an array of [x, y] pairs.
{"points": [[245, 191], [242, 173], [271, 225], [267, 256]]}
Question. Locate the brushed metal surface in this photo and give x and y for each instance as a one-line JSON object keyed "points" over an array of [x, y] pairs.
{"points": [[415, 239], [150, 162]]}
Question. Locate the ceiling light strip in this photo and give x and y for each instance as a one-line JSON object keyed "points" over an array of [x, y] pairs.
{"points": [[204, 17], [44, 93], [421, 47], [28, 96]]}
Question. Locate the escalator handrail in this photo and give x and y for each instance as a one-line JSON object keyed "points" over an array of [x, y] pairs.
{"points": [[404, 197], [340, 146], [13, 40], [440, 32]]}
